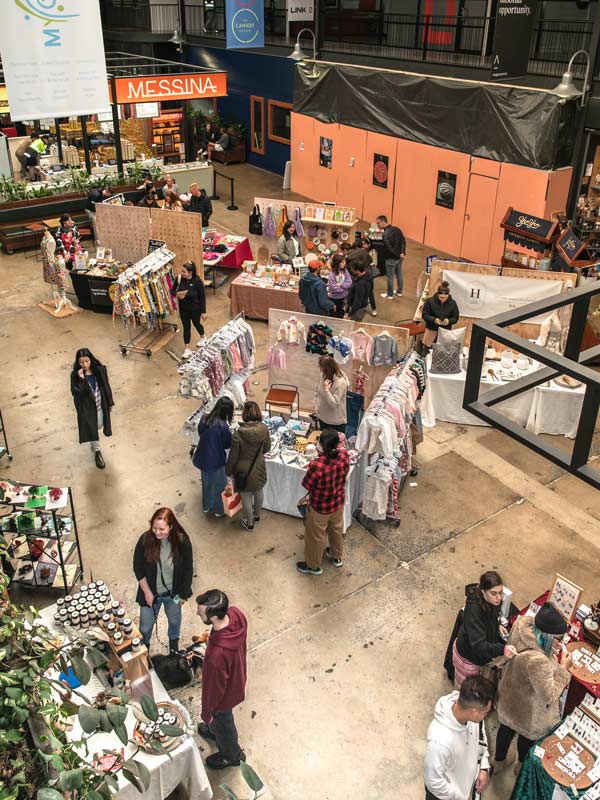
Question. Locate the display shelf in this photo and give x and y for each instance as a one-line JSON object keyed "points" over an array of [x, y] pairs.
{"points": [[339, 223], [43, 543]]}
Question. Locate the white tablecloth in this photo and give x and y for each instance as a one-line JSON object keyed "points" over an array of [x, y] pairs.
{"points": [[284, 489], [185, 767], [545, 409]]}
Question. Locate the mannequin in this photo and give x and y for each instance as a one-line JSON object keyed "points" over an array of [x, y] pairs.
{"points": [[60, 272], [48, 249], [551, 333]]}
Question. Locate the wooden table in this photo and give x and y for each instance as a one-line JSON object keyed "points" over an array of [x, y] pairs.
{"points": [[255, 300]]}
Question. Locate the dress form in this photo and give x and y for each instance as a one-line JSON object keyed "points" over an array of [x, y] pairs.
{"points": [[61, 286]]}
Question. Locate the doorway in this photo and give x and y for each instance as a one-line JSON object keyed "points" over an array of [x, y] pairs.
{"points": [[479, 218]]}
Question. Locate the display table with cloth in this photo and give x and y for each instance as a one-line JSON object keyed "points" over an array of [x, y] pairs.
{"points": [[255, 299], [182, 767], [544, 409], [284, 489], [94, 292]]}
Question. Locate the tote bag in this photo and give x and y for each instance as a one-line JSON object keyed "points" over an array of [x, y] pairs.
{"points": [[232, 500], [255, 222]]}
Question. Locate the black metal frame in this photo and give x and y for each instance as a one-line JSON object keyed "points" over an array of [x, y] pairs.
{"points": [[573, 363]]}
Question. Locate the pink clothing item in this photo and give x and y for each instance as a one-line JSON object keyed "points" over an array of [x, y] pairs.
{"points": [[276, 358], [359, 382], [362, 344], [236, 356]]}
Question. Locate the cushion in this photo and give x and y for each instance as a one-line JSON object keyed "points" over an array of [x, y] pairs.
{"points": [[445, 358], [451, 337]]}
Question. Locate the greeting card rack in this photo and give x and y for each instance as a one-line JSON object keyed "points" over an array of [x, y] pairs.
{"points": [[4, 449], [39, 528]]}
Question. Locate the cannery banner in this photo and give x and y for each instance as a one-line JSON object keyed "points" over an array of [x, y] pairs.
{"points": [[53, 58], [245, 20], [482, 296]]}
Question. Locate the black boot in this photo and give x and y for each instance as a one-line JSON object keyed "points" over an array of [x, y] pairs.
{"points": [[99, 460], [173, 646]]}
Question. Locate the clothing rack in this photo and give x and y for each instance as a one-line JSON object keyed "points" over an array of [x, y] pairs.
{"points": [[4, 448], [156, 333]]}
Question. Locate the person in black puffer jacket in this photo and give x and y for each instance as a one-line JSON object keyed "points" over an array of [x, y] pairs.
{"points": [[191, 298], [439, 311], [479, 639]]}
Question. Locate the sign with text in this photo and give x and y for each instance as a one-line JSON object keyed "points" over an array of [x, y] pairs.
{"points": [[300, 11], [53, 58], [528, 224], [512, 38], [245, 20], [4, 107], [155, 244], [150, 88]]}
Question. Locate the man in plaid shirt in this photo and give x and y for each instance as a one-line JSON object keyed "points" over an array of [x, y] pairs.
{"points": [[325, 482]]}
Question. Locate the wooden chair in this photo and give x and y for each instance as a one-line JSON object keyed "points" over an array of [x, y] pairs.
{"points": [[283, 396]]}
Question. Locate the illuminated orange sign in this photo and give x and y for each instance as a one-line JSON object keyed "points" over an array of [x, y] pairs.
{"points": [[148, 88]]}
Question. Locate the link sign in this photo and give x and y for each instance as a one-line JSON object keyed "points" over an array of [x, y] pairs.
{"points": [[300, 10]]}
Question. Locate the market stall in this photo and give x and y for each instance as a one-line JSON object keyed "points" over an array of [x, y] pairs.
{"points": [[528, 240], [256, 292], [93, 281], [127, 667]]}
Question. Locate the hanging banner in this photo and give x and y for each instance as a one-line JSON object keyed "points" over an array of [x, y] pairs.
{"points": [[245, 23], [445, 190], [482, 296], [512, 38], [53, 58], [299, 11]]}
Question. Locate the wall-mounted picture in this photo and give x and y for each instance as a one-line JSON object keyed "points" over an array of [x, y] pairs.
{"points": [[565, 596], [325, 152], [380, 170], [446, 189]]}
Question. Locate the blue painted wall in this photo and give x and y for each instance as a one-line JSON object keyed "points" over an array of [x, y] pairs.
{"points": [[250, 74]]}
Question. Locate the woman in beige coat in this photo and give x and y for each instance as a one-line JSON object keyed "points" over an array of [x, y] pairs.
{"points": [[531, 684], [330, 397], [247, 458]]}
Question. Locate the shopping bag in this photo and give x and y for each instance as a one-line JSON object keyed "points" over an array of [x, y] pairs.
{"points": [[255, 222], [303, 505], [232, 501]]}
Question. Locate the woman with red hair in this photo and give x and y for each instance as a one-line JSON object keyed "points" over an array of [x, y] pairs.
{"points": [[163, 566]]}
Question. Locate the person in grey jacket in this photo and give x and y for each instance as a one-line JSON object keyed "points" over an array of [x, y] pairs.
{"points": [[313, 292], [247, 455], [288, 245]]}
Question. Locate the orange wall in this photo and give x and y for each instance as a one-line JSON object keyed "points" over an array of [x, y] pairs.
{"points": [[409, 200]]}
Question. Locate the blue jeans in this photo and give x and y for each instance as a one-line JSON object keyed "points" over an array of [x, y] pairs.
{"points": [[213, 483], [393, 266], [148, 615]]}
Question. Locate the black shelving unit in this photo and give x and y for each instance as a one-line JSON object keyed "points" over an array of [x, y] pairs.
{"points": [[4, 448], [43, 545]]}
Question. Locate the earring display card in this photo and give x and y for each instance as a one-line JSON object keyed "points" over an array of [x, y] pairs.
{"points": [[565, 596]]}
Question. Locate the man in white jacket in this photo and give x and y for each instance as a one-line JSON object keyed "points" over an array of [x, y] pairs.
{"points": [[457, 759]]}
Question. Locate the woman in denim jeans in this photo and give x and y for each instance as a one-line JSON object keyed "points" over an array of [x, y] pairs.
{"points": [[163, 565], [211, 454]]}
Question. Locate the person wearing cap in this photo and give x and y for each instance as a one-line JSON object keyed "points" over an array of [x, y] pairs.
{"points": [[313, 292], [531, 684]]}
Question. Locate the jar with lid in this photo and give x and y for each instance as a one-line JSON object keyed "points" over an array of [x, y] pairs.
{"points": [[106, 619], [118, 637]]}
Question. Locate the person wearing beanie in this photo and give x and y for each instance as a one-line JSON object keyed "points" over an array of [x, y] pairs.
{"points": [[313, 292], [531, 684]]}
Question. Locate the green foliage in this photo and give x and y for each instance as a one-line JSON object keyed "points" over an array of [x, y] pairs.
{"points": [[52, 767], [252, 781]]}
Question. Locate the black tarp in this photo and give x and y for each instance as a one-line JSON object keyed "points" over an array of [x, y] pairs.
{"points": [[504, 123]]}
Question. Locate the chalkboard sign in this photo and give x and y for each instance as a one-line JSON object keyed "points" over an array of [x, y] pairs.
{"points": [[528, 225], [154, 244], [573, 249]]}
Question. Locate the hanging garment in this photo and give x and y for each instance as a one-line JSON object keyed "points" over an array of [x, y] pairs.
{"points": [[318, 336], [276, 357], [385, 350], [283, 218], [269, 226], [291, 332], [340, 347], [360, 378], [362, 345], [298, 223]]}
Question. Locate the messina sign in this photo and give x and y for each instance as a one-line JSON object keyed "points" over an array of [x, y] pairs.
{"points": [[148, 88]]}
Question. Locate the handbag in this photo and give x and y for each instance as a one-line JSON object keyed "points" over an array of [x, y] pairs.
{"points": [[232, 500], [240, 479], [269, 227], [283, 218], [255, 222]]}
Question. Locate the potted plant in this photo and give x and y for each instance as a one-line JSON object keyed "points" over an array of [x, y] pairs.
{"points": [[37, 758]]}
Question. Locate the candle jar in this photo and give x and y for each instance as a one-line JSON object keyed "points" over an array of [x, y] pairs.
{"points": [[136, 643], [115, 606], [60, 603], [83, 589], [111, 628], [118, 637], [63, 614], [93, 614], [100, 585], [74, 619], [57, 617], [106, 619], [120, 616], [92, 587], [76, 597], [67, 600]]}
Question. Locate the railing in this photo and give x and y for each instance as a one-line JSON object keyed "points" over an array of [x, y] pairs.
{"points": [[461, 41]]}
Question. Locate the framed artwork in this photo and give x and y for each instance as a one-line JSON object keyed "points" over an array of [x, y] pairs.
{"points": [[319, 213], [381, 166], [325, 152], [445, 189], [565, 596]]}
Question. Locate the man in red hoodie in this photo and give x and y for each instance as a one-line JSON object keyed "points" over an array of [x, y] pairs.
{"points": [[223, 676]]}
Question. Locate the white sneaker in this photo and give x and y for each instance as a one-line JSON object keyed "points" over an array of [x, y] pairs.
{"points": [[187, 353], [202, 342], [398, 294], [373, 313], [387, 296]]}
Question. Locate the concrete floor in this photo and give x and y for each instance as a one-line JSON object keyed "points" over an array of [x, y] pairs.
{"points": [[344, 670]]}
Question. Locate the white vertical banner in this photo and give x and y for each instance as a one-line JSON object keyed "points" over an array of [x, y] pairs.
{"points": [[53, 58]]}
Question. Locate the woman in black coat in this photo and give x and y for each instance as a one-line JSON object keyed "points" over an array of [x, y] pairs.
{"points": [[439, 311], [189, 290], [163, 563], [93, 400]]}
